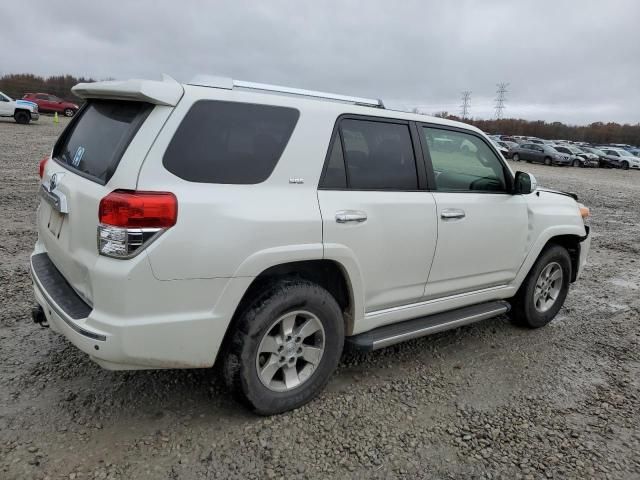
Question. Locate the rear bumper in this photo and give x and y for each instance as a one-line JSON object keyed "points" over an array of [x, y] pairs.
{"points": [[183, 327]]}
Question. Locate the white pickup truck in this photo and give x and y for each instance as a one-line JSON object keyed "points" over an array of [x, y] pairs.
{"points": [[22, 111]]}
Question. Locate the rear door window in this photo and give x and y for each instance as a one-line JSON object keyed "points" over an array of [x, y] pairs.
{"points": [[96, 139], [229, 142], [378, 155], [335, 175]]}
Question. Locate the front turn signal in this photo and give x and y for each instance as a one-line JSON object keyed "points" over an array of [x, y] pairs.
{"points": [[584, 211]]}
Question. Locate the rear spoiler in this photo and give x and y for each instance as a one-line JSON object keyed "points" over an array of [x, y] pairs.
{"points": [[165, 92]]}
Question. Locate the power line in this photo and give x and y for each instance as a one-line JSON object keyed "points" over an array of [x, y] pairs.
{"points": [[466, 104], [500, 99]]}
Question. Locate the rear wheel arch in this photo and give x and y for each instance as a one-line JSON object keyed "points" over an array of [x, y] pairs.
{"points": [[329, 274]]}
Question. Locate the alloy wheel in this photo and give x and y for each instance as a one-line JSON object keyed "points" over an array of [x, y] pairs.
{"points": [[290, 351], [548, 287]]}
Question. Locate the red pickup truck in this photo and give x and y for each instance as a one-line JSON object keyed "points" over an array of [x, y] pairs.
{"points": [[51, 103]]}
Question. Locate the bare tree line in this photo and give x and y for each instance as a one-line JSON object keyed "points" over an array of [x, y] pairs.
{"points": [[16, 85]]}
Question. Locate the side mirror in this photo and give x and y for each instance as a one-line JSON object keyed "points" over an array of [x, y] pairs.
{"points": [[524, 183]]}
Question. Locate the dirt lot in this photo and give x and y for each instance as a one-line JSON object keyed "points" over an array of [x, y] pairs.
{"points": [[485, 401]]}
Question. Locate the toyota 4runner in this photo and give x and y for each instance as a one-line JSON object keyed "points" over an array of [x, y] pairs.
{"points": [[262, 228]]}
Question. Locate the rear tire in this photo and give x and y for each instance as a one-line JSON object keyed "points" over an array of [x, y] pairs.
{"points": [[269, 357], [544, 290], [22, 118], [516, 157], [547, 161]]}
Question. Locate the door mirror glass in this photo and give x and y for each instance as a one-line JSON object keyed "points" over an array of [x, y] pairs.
{"points": [[524, 183]]}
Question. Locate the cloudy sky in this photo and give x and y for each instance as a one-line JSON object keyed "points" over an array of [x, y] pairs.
{"points": [[575, 61]]}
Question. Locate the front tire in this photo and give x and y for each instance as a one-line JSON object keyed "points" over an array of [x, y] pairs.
{"points": [[625, 165], [544, 290], [576, 163], [69, 112], [515, 157], [22, 118], [547, 161], [286, 344]]}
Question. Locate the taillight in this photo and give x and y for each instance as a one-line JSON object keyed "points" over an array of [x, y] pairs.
{"points": [[43, 163], [130, 220]]}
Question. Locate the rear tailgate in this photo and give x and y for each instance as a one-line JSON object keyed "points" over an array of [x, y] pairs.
{"points": [[101, 150]]}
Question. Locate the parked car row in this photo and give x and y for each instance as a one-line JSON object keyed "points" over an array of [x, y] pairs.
{"points": [[564, 152]]}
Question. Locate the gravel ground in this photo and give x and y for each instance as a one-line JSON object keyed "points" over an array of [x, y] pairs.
{"points": [[485, 401]]}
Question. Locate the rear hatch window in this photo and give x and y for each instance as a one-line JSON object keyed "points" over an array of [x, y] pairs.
{"points": [[95, 140]]}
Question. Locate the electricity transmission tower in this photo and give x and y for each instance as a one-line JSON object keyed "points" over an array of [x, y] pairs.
{"points": [[500, 99], [466, 104]]}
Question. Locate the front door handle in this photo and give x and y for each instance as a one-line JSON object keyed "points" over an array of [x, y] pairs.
{"points": [[348, 216], [452, 214]]}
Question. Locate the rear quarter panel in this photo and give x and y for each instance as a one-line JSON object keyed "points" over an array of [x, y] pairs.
{"points": [[240, 230]]}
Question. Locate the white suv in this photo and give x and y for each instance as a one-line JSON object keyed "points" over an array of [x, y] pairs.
{"points": [[262, 227]]}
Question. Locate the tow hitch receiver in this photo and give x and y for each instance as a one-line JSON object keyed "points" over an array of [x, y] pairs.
{"points": [[37, 313]]}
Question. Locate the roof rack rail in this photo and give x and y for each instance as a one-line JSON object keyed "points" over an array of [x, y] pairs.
{"points": [[229, 84]]}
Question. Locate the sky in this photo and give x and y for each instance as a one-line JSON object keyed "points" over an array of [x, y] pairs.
{"points": [[574, 61]]}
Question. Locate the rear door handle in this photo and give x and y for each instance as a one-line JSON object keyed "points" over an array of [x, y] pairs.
{"points": [[348, 216], [452, 214]]}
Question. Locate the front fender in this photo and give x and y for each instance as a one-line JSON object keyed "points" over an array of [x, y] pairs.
{"points": [[541, 241]]}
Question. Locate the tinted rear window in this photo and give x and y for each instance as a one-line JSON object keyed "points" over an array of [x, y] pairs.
{"points": [[229, 142], [379, 155], [95, 140]]}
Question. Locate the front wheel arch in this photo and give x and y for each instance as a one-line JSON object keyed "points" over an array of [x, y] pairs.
{"points": [[571, 243]]}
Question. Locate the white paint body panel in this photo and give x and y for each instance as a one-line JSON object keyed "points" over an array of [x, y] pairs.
{"points": [[400, 222], [483, 249], [171, 305]]}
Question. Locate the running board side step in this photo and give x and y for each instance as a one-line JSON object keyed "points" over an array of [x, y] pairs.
{"points": [[419, 327]]}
